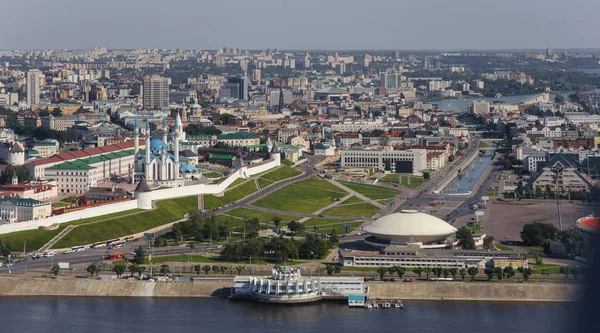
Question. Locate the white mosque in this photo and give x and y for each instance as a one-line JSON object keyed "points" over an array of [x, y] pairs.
{"points": [[156, 164]]}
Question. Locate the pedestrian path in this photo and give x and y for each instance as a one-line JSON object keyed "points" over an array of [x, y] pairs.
{"points": [[358, 195]]}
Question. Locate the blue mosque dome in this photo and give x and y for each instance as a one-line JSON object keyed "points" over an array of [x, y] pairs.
{"points": [[157, 144]]}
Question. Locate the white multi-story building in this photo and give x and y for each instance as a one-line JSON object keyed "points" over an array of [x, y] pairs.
{"points": [[17, 209], [480, 107], [155, 92], [33, 87], [359, 126], [412, 161]]}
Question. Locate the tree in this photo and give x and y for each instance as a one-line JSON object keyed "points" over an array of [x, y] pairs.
{"points": [[400, 271], [240, 269], [426, 175], [119, 269], [133, 268], [333, 238], [93, 269], [295, 227], [526, 272], [330, 270], [472, 271], [164, 269], [488, 243], [427, 272], [451, 158], [197, 269], [559, 99], [509, 272], [489, 271], [564, 270], [337, 269], [465, 239], [5, 249], [453, 272], [141, 270], [215, 269], [499, 273], [437, 271], [57, 112], [251, 228], [276, 221], [445, 273], [574, 272], [139, 256], [382, 271], [313, 246], [463, 273], [206, 269], [55, 269], [538, 234], [418, 271], [545, 273]]}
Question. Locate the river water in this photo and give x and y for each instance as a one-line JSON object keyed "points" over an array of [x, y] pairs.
{"points": [[463, 104], [463, 184], [89, 315]]}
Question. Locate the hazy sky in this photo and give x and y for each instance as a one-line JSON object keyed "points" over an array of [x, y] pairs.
{"points": [[299, 24]]}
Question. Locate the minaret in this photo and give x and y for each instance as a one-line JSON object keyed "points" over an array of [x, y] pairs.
{"points": [[148, 151], [176, 144], [136, 138], [165, 131]]}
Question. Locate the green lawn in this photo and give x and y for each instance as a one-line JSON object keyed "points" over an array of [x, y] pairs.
{"points": [[37, 238], [415, 181], [182, 258], [231, 195], [237, 182], [167, 211], [503, 248], [492, 193], [357, 209], [371, 191], [305, 197], [212, 175], [237, 216], [281, 173], [58, 204], [326, 225]]}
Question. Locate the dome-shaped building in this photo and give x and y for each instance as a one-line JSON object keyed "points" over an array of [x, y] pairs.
{"points": [[157, 145], [410, 227]]}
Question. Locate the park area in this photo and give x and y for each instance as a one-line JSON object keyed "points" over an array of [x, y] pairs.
{"points": [[352, 207], [373, 192], [304, 197]]}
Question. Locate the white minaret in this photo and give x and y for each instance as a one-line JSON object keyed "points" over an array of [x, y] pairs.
{"points": [[165, 129], [136, 144], [176, 143], [148, 151]]}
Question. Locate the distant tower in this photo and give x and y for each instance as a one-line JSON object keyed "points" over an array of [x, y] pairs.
{"points": [[148, 151], [276, 155], [16, 155], [165, 129], [176, 149], [280, 99], [548, 52], [15, 180], [136, 138], [545, 120]]}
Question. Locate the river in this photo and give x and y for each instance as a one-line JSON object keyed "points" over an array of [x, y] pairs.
{"points": [[464, 183], [89, 315], [463, 104]]}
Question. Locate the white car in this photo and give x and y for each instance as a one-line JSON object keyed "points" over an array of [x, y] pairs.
{"points": [[68, 251], [37, 255], [50, 254]]}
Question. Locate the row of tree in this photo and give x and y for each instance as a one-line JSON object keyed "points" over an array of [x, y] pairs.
{"points": [[541, 234]]}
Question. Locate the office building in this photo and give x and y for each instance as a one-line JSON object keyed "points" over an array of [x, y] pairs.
{"points": [[155, 92], [480, 107], [33, 87], [238, 87], [410, 161]]}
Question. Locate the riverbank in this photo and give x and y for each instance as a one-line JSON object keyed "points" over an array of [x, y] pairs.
{"points": [[456, 291]]}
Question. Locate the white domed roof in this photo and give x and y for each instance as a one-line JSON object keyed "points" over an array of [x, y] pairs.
{"points": [[409, 223]]}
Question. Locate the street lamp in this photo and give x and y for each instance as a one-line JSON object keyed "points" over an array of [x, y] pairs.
{"points": [[558, 170]]}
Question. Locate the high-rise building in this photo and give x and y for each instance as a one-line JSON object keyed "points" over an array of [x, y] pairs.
{"points": [[33, 87], [480, 107], [390, 80], [155, 92], [426, 62], [242, 83], [257, 76]]}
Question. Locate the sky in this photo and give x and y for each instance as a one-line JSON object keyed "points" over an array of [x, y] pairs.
{"points": [[300, 24]]}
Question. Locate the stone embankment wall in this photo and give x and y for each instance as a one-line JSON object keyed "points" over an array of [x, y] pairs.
{"points": [[125, 288], [534, 292]]}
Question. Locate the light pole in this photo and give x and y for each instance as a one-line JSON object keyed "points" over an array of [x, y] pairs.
{"points": [[558, 170]]}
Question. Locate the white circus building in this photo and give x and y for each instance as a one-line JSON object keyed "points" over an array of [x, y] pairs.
{"points": [[410, 228]]}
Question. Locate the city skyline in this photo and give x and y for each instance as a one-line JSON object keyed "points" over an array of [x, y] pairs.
{"points": [[307, 25]]}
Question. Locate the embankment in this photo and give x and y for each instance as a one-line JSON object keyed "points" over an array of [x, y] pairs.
{"points": [[530, 292], [534, 292], [124, 288]]}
